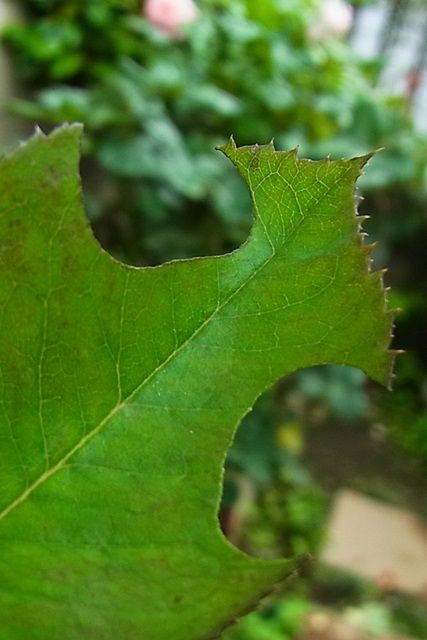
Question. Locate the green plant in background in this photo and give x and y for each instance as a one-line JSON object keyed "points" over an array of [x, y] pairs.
{"points": [[363, 610], [280, 622], [154, 107], [122, 388], [274, 508]]}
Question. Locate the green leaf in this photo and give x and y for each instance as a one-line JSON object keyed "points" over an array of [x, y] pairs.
{"points": [[121, 389], [159, 154]]}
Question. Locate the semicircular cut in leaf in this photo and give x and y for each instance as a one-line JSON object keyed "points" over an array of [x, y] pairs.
{"points": [[121, 389]]}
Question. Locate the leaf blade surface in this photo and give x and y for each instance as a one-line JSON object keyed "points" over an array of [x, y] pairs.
{"points": [[122, 389]]}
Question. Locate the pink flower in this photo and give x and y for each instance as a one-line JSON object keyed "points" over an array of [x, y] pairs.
{"points": [[334, 20], [170, 15]]}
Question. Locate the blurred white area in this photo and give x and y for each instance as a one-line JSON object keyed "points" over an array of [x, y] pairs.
{"points": [[403, 46], [378, 542], [326, 625], [368, 29]]}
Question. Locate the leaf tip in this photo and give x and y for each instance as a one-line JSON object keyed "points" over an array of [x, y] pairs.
{"points": [[362, 161], [228, 146]]}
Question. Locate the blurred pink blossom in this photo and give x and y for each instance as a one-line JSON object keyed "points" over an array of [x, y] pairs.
{"points": [[170, 15], [334, 20]]}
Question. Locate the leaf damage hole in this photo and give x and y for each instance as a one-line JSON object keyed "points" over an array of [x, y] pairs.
{"points": [[258, 474], [272, 503], [147, 222]]}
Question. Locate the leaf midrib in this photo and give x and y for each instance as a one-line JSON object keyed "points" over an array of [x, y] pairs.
{"points": [[119, 406]]}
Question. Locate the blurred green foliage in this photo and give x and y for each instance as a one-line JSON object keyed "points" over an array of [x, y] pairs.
{"points": [[244, 68], [280, 509], [281, 622], [359, 604]]}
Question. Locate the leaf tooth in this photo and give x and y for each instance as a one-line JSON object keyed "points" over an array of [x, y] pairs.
{"points": [[394, 353], [368, 248], [391, 379], [362, 161], [396, 311], [379, 276], [232, 141], [228, 146]]}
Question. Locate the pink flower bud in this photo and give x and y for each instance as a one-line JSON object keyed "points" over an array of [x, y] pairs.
{"points": [[170, 15], [334, 20]]}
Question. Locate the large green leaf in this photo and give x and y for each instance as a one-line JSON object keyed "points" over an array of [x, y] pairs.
{"points": [[121, 389]]}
